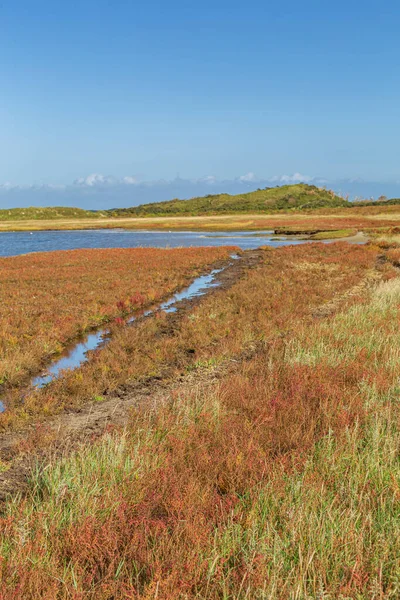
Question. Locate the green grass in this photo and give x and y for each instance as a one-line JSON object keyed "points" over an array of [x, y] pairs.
{"points": [[301, 535], [300, 196], [339, 513], [370, 328], [292, 199], [33, 213], [288, 197], [331, 235]]}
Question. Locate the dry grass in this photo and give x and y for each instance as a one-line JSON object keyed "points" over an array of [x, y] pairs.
{"points": [[356, 218]]}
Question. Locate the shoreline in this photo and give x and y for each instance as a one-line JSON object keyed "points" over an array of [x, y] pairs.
{"points": [[320, 222]]}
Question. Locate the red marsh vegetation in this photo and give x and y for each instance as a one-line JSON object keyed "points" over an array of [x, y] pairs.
{"points": [[277, 479], [48, 299], [255, 308]]}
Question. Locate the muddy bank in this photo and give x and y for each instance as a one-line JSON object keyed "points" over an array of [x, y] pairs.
{"points": [[323, 235], [46, 438], [77, 351], [300, 232]]}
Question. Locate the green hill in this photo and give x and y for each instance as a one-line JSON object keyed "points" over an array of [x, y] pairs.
{"points": [[33, 213], [300, 196], [386, 202], [294, 198]]}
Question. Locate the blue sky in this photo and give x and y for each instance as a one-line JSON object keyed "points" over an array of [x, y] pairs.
{"points": [[145, 92]]}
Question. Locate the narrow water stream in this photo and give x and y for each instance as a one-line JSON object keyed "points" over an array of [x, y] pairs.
{"points": [[75, 356]]}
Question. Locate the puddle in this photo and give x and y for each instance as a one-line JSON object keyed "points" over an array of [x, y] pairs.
{"points": [[197, 288], [77, 355], [72, 359]]}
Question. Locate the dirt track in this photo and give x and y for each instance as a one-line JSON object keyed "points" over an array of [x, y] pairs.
{"points": [[68, 430]]}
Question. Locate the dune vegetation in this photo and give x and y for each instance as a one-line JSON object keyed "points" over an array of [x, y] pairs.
{"points": [[33, 213], [268, 470], [298, 196], [287, 197]]}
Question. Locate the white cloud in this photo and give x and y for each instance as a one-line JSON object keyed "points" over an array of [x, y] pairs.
{"points": [[207, 179], [356, 180], [97, 179], [99, 191], [295, 178], [8, 186], [53, 186], [129, 180], [94, 179], [248, 177]]}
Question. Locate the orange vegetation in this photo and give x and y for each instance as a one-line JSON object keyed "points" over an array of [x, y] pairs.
{"points": [[47, 299], [278, 480], [254, 309]]}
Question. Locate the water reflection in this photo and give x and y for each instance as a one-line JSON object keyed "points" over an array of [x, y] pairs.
{"points": [[23, 242], [77, 355]]}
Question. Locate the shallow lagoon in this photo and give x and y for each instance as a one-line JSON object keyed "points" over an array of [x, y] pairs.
{"points": [[23, 242]]}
